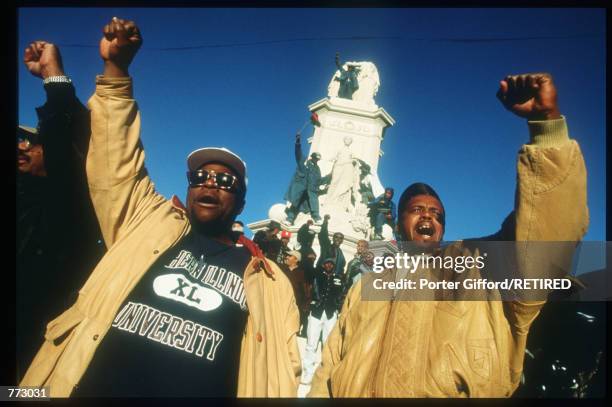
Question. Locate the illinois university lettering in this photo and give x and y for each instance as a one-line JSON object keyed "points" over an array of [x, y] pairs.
{"points": [[225, 282], [191, 288], [178, 332], [168, 329]]}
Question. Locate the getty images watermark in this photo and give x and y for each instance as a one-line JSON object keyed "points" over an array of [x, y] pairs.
{"points": [[478, 270]]}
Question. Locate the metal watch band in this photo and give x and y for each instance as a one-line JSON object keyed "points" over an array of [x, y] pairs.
{"points": [[57, 79]]}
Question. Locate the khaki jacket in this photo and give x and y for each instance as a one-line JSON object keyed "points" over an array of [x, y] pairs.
{"points": [[460, 348], [138, 226]]}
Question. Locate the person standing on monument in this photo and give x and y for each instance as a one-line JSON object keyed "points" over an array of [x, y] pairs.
{"points": [[347, 78], [364, 265], [327, 296], [303, 192], [293, 269], [382, 211], [454, 348], [362, 248], [331, 250], [305, 236], [268, 240], [284, 247]]}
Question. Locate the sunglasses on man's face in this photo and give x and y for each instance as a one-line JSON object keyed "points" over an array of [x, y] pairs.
{"points": [[27, 143], [222, 180]]}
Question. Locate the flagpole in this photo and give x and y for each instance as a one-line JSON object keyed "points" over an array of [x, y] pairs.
{"points": [[303, 126]]}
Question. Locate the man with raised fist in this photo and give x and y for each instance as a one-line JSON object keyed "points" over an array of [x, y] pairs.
{"points": [[177, 307], [58, 238], [463, 348]]}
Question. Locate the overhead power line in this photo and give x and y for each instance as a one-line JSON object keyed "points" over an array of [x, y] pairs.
{"points": [[353, 38]]}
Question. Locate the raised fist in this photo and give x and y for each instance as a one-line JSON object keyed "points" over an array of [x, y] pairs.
{"points": [[532, 96], [298, 137], [43, 59], [326, 217], [120, 43]]}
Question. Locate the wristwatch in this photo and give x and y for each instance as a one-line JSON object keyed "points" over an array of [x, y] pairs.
{"points": [[57, 79]]}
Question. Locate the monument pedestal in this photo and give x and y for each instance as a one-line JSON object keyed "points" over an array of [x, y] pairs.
{"points": [[365, 124]]}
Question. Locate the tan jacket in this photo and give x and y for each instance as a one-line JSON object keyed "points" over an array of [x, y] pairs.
{"points": [[460, 348], [138, 226]]}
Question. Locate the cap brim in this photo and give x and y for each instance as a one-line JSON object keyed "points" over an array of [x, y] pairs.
{"points": [[26, 131], [203, 156]]}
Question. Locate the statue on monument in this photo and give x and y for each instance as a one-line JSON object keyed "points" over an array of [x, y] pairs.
{"points": [[343, 191], [303, 191], [348, 79], [356, 81]]}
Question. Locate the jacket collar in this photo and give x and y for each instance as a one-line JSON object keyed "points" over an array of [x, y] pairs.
{"points": [[178, 205], [258, 255]]}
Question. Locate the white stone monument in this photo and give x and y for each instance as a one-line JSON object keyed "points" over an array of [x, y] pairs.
{"points": [[350, 135]]}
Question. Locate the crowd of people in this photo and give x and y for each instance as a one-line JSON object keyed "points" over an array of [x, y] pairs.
{"points": [[184, 304], [320, 283]]}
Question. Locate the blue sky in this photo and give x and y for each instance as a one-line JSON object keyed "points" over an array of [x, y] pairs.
{"points": [[450, 131]]}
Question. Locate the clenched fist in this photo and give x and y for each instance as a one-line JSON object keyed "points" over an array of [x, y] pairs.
{"points": [[43, 59], [119, 45], [532, 96]]}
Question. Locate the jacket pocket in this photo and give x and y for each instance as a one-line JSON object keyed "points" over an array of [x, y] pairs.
{"points": [[483, 360]]}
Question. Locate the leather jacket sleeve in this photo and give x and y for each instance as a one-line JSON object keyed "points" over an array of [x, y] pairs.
{"points": [[120, 188]]}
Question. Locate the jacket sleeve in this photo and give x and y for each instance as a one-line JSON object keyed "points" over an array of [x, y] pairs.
{"points": [[550, 206], [119, 185], [551, 186], [324, 242], [299, 158], [331, 355], [375, 200], [551, 174], [64, 126]]}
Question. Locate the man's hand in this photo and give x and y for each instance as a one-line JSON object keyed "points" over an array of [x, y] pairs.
{"points": [[298, 138], [532, 96], [43, 60], [118, 46], [326, 217]]}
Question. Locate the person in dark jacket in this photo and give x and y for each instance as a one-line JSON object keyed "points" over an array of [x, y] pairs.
{"points": [[305, 236], [331, 249], [382, 211], [58, 237], [301, 288], [268, 241], [303, 192], [327, 296]]}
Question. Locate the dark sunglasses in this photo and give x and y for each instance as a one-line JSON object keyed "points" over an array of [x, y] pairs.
{"points": [[28, 142], [222, 180]]}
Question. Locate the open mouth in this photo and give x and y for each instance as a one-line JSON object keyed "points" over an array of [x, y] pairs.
{"points": [[425, 229], [23, 159], [208, 201]]}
